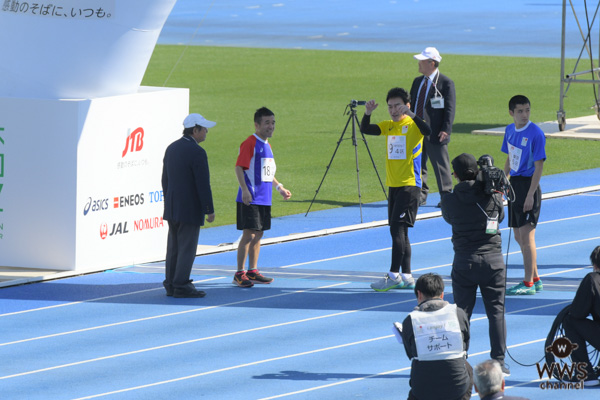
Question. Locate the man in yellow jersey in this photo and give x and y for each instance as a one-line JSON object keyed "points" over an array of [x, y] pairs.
{"points": [[404, 134]]}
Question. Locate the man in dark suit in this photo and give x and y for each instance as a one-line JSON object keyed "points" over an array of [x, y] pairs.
{"points": [[188, 201], [434, 100]]}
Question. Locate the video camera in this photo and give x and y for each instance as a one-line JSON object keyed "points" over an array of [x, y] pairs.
{"points": [[493, 178], [354, 103]]}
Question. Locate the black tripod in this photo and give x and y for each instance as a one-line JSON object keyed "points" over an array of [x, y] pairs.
{"points": [[354, 119]]}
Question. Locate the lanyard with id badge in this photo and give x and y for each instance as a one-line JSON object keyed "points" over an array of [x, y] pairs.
{"points": [[437, 101], [491, 226]]}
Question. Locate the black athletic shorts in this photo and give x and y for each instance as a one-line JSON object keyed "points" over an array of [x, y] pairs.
{"points": [[403, 204], [254, 217], [516, 217]]}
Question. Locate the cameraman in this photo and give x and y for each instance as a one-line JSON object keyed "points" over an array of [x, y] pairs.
{"points": [[474, 216]]}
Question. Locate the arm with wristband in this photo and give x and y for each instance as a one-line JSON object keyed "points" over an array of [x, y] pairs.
{"points": [[286, 194]]}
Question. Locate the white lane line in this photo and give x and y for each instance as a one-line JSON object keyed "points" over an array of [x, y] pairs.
{"points": [[303, 354], [78, 302], [251, 364], [207, 338], [332, 259], [337, 383], [567, 243], [568, 218], [170, 314], [361, 253], [94, 299], [210, 279], [389, 373], [448, 238]]}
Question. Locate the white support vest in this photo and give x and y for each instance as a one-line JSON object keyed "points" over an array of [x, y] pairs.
{"points": [[437, 334]]}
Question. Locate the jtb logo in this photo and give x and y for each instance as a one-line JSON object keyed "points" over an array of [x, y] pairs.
{"points": [[135, 141]]}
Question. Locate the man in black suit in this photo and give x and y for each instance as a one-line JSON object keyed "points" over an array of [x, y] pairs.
{"points": [[188, 201], [434, 100]]}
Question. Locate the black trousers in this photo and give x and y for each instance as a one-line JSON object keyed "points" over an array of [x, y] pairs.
{"points": [[465, 396], [581, 331], [486, 271], [182, 244]]}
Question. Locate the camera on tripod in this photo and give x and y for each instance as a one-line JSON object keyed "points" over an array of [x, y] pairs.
{"points": [[493, 178], [354, 103]]}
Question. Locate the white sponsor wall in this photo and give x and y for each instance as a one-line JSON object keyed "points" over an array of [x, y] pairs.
{"points": [[81, 179], [77, 49], [81, 143]]}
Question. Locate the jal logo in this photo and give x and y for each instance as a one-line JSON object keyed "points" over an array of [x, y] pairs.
{"points": [[118, 228], [134, 142], [103, 231]]}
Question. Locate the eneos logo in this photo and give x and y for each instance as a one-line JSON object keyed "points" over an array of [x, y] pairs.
{"points": [[127, 201], [134, 142]]}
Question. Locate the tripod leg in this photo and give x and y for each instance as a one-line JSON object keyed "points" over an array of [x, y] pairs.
{"points": [[329, 165], [372, 161], [353, 117]]}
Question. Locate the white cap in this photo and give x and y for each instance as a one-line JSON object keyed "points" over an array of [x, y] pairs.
{"points": [[430, 53], [196, 119]]}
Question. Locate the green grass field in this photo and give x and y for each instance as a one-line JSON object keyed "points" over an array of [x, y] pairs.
{"points": [[309, 89]]}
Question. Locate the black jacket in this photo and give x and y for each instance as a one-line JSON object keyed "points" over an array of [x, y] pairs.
{"points": [[186, 183], [587, 298], [460, 209], [439, 119]]}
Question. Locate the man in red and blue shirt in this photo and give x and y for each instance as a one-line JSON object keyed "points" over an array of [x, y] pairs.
{"points": [[255, 171]]}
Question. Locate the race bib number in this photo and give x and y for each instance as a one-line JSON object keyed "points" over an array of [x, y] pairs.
{"points": [[514, 155], [396, 147], [268, 168]]}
